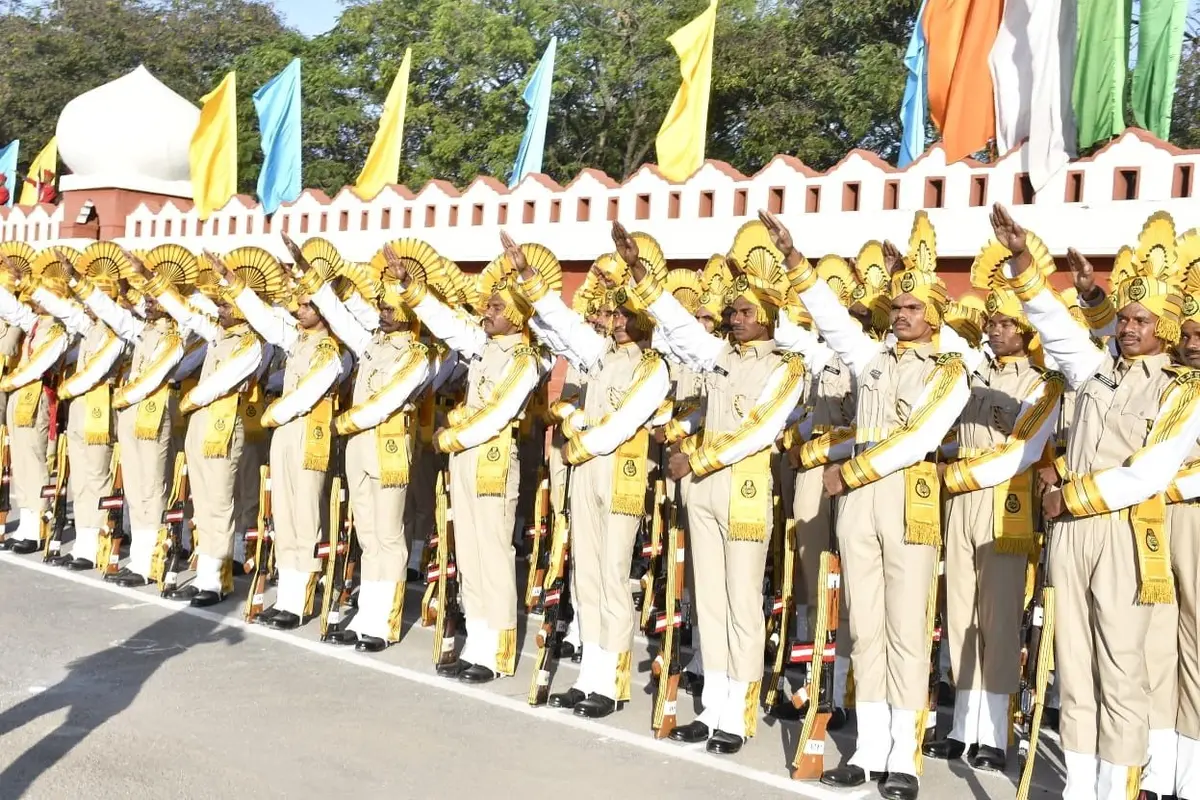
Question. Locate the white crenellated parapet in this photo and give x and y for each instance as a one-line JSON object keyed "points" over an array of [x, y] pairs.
{"points": [[1096, 204], [39, 225]]}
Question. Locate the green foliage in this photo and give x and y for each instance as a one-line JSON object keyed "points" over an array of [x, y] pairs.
{"points": [[814, 79]]}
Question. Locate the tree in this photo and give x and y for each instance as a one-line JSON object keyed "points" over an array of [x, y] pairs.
{"points": [[1185, 117], [54, 53]]}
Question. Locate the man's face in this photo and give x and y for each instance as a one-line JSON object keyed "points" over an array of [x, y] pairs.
{"points": [[1189, 344], [621, 331], [861, 314], [387, 319], [152, 309], [307, 314], [707, 319], [597, 322], [744, 324], [1135, 331], [1004, 336], [908, 319], [225, 316], [494, 321]]}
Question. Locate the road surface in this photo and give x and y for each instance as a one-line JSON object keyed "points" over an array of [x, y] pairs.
{"points": [[109, 692]]}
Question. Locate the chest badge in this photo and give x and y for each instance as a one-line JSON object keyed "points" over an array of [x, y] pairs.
{"points": [[922, 489], [493, 454], [749, 490], [1151, 541], [739, 404], [630, 468], [1012, 504]]}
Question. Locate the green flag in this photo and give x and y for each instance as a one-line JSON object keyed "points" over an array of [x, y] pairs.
{"points": [[1160, 42], [1100, 67]]}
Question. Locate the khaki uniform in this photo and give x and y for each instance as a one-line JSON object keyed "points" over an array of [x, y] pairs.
{"points": [[1095, 561], [89, 392], [214, 478], [833, 403], [1003, 431], [624, 391], [1184, 779], [10, 352], [484, 517], [390, 372], [46, 340], [730, 555]]}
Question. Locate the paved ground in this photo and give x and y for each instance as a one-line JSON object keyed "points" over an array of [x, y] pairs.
{"points": [[113, 692]]}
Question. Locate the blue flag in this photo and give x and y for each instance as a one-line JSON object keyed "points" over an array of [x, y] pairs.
{"points": [[8, 168], [537, 97], [278, 107], [915, 107]]}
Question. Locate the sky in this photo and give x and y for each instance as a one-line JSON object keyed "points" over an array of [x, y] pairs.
{"points": [[310, 17]]}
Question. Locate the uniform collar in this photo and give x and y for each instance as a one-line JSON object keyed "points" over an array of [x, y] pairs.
{"points": [[509, 342], [920, 350], [1010, 363], [758, 349]]}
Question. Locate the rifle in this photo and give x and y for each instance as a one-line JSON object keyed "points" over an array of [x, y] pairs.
{"points": [[657, 566], [1037, 649], [442, 578], [666, 664], [556, 583], [537, 532], [336, 553], [54, 519], [108, 555], [165, 567], [809, 761], [784, 606], [5, 480], [263, 539]]}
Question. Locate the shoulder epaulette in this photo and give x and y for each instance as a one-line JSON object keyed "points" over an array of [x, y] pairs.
{"points": [[529, 351], [420, 347], [1052, 375], [1183, 374], [650, 354], [944, 359], [329, 344]]}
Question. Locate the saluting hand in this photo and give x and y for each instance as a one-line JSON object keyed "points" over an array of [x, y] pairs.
{"points": [[301, 263], [627, 249], [893, 260], [139, 266], [781, 237], [516, 257], [1082, 273], [63, 260], [395, 266], [1008, 232]]}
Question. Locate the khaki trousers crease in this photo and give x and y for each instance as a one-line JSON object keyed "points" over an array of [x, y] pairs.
{"points": [[299, 500], [146, 466], [1099, 640], [887, 585], [91, 468], [984, 598], [728, 580], [1183, 520], [602, 549], [483, 531], [28, 448], [378, 513], [214, 486]]}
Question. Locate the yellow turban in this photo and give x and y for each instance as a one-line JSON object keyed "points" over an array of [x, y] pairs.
{"points": [[764, 281], [919, 276]]}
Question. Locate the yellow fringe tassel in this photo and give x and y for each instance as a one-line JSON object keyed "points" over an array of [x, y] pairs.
{"points": [[624, 660], [317, 437], [396, 617], [506, 652], [751, 718]]}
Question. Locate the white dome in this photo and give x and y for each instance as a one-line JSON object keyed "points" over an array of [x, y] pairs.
{"points": [[134, 129]]}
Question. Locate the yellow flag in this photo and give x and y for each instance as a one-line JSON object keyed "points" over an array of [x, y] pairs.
{"points": [[43, 170], [682, 135], [213, 152], [383, 162]]}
